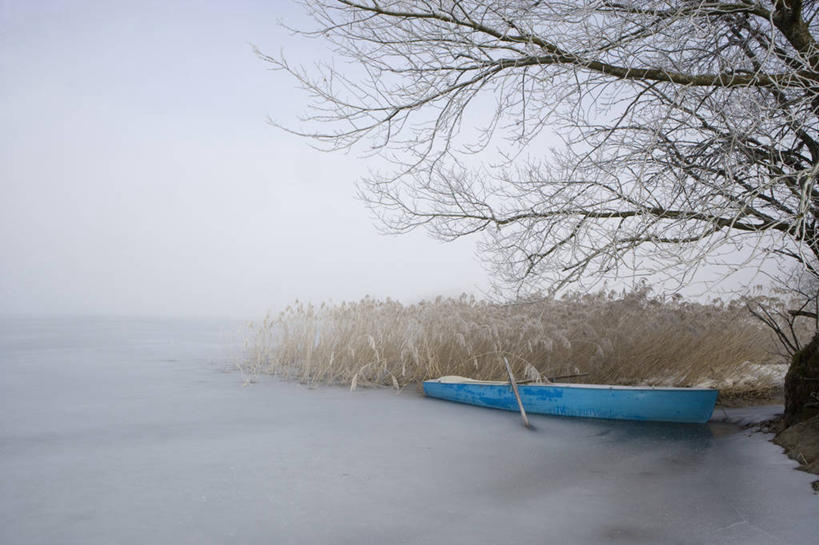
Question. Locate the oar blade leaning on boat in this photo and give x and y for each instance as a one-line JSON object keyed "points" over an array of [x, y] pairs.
{"points": [[517, 394]]}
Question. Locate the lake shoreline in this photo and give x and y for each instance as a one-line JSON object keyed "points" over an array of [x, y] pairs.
{"points": [[135, 431]]}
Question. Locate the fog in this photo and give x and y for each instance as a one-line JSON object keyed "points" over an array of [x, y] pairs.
{"points": [[140, 177]]}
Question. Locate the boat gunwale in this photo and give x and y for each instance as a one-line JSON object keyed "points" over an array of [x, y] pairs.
{"points": [[474, 382]]}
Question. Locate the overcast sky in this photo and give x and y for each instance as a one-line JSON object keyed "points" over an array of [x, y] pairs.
{"points": [[139, 176]]}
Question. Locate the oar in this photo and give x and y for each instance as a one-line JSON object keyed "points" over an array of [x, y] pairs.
{"points": [[517, 394], [568, 376], [549, 379]]}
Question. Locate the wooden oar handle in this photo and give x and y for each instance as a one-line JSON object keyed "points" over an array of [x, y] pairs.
{"points": [[517, 394]]}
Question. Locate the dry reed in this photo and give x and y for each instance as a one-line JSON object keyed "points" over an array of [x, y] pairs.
{"points": [[630, 338]]}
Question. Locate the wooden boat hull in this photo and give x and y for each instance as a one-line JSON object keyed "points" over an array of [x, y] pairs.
{"points": [[690, 405]]}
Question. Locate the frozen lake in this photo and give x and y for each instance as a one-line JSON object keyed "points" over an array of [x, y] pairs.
{"points": [[130, 431]]}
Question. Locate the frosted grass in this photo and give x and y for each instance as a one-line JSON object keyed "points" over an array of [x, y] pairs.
{"points": [[629, 339]]}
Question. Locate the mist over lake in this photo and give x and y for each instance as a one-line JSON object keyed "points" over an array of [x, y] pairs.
{"points": [[127, 431], [237, 239]]}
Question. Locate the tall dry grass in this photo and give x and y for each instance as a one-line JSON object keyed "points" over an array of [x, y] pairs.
{"points": [[630, 338]]}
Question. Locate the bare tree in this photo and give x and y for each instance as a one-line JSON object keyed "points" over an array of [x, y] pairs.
{"points": [[793, 312], [686, 125]]}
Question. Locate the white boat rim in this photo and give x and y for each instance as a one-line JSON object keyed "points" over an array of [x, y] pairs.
{"points": [[454, 379]]}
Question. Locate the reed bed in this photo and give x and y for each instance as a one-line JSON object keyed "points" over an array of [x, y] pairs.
{"points": [[629, 339]]}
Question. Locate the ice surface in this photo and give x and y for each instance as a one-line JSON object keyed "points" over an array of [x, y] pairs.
{"points": [[118, 431]]}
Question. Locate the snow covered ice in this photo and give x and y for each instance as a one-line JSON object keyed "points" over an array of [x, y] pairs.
{"points": [[130, 431]]}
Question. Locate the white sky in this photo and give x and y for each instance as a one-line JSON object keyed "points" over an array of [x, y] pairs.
{"points": [[138, 174]]}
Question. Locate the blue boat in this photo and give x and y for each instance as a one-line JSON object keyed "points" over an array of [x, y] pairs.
{"points": [[690, 405]]}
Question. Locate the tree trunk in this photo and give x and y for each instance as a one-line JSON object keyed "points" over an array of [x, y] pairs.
{"points": [[802, 384]]}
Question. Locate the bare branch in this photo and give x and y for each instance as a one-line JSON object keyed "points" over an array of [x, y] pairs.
{"points": [[686, 127]]}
